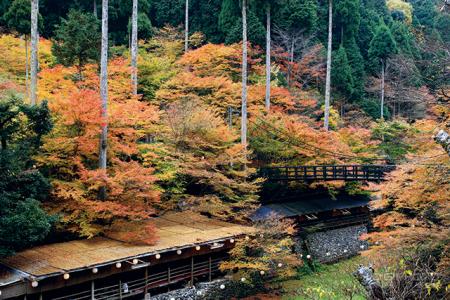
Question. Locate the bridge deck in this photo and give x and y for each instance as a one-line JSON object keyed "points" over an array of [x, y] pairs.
{"points": [[326, 173]]}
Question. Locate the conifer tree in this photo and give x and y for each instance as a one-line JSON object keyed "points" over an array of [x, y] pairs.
{"points": [[104, 92], [186, 30], [34, 49], [382, 47], [328, 76], [134, 46], [341, 76], [244, 75], [18, 18], [268, 54], [356, 63], [77, 40]]}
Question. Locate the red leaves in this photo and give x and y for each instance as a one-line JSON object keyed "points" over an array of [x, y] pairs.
{"points": [[71, 154]]}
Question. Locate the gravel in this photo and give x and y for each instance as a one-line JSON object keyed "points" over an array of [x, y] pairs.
{"points": [[331, 245]]}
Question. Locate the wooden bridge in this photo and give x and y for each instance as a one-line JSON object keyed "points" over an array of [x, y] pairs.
{"points": [[326, 173]]}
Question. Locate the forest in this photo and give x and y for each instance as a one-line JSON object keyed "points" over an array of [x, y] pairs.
{"points": [[116, 112]]}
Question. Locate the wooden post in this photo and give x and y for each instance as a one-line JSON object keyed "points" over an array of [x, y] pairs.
{"points": [[120, 289], [168, 274], [92, 290], [146, 280], [192, 271], [40, 296], [210, 269]]}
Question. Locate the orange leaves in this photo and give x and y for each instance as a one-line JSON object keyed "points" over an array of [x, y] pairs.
{"points": [[212, 74], [214, 60], [13, 56], [71, 154], [220, 92]]}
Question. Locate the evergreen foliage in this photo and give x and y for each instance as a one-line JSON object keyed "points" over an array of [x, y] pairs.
{"points": [[77, 40], [22, 187], [18, 15], [382, 45], [341, 75]]}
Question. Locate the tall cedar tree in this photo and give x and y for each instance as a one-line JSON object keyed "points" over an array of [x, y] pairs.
{"points": [[341, 77], [382, 47], [77, 40], [134, 46], [18, 18], [34, 50]]}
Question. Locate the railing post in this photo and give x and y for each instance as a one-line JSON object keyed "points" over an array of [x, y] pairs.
{"points": [[146, 280], [210, 269], [168, 274], [324, 172], [192, 271], [305, 173], [120, 289], [92, 290], [315, 172]]}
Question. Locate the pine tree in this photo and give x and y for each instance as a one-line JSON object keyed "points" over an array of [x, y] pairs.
{"points": [[104, 92], [404, 39], [134, 47], [18, 18], [382, 47], [186, 30], [356, 63], [77, 40], [347, 16], [341, 75], [244, 75], [34, 50], [328, 78]]}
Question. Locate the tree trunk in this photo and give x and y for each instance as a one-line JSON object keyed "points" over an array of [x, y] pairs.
{"points": [[328, 79], [186, 31], [373, 288], [382, 90], [291, 62], [95, 8], [443, 138], [244, 75], [134, 47], [27, 71], [268, 58], [34, 46], [104, 93]]}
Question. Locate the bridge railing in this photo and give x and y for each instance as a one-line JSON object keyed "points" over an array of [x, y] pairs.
{"points": [[326, 172]]}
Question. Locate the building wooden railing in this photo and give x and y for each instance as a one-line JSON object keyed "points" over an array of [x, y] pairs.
{"points": [[125, 289], [326, 173]]}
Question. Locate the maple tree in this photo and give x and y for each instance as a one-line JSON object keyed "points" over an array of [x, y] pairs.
{"points": [[416, 199], [212, 74], [70, 153], [203, 165], [265, 254]]}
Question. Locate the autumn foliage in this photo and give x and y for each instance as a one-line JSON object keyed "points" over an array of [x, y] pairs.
{"points": [[70, 153]]}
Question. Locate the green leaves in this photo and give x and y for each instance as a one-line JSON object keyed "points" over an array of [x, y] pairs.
{"points": [[77, 40]]}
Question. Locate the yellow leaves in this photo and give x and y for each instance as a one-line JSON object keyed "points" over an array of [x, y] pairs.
{"points": [[13, 57], [219, 92], [214, 60], [403, 6], [269, 250]]}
